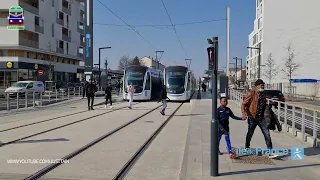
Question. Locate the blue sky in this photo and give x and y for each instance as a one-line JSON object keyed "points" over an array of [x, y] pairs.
{"points": [[193, 37]]}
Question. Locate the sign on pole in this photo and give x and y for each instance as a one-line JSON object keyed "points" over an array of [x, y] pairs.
{"points": [[40, 72], [211, 57]]}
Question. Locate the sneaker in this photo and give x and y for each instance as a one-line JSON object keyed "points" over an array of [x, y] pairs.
{"points": [[111, 107], [105, 106], [232, 156], [273, 156], [162, 113], [220, 153]]}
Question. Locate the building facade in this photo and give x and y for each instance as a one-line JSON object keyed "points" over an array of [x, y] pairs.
{"points": [[279, 24], [150, 62], [52, 41]]}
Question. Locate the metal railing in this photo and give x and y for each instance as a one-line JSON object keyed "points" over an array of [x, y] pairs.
{"points": [[66, 38], [60, 50], [39, 29], [66, 10], [29, 43], [300, 121], [17, 100], [29, 7], [60, 21]]}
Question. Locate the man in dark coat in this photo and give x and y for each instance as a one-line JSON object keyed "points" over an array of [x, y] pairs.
{"points": [[108, 95], [84, 84], [271, 119], [163, 97], [91, 89]]}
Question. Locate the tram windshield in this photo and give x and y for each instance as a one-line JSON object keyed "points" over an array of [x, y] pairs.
{"points": [[175, 80], [136, 78]]}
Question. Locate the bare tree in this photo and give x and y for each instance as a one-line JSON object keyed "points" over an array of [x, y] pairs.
{"points": [[123, 62], [51, 62], [135, 61], [290, 66], [272, 69]]}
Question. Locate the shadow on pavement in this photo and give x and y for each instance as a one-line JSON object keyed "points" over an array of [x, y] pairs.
{"points": [[265, 169]]}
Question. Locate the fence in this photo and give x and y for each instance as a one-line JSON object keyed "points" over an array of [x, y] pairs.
{"points": [[17, 100], [300, 121]]}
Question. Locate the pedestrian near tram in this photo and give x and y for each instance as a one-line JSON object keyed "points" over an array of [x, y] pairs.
{"points": [[108, 95]]}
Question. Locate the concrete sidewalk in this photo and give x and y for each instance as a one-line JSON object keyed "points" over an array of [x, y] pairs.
{"points": [[197, 154]]}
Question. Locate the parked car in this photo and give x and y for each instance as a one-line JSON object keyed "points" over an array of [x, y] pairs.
{"points": [[65, 87], [22, 87], [275, 95]]}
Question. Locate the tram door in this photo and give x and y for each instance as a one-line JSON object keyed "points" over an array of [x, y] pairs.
{"points": [[147, 85]]}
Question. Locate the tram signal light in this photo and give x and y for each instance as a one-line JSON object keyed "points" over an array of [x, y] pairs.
{"points": [[211, 57]]}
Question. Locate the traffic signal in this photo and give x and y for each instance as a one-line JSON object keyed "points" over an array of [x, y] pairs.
{"points": [[211, 57]]}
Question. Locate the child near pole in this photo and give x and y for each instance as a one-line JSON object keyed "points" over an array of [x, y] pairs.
{"points": [[223, 116]]}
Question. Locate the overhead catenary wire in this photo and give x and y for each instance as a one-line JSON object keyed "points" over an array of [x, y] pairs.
{"points": [[174, 29], [127, 24], [163, 25]]}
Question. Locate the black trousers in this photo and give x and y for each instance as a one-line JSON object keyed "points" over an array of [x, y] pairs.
{"points": [[83, 92], [109, 98], [90, 97], [252, 124]]}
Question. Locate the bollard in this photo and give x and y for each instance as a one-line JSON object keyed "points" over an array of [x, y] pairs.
{"points": [[49, 96], [26, 99], [56, 95], [8, 101], [62, 95], [80, 91], [68, 93], [315, 132], [74, 92], [18, 100], [33, 99], [40, 103]]}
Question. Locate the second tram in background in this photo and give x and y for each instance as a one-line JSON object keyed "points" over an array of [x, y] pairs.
{"points": [[146, 81], [180, 82]]}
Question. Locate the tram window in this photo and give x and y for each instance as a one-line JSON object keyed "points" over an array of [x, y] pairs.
{"points": [[147, 87]]}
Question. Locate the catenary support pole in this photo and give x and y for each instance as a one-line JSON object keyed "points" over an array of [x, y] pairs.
{"points": [[228, 51], [214, 122]]}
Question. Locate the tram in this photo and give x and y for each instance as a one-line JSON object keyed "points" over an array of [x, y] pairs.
{"points": [[180, 82], [146, 81]]}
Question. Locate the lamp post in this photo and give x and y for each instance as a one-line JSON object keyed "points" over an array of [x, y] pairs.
{"points": [[99, 64], [259, 59]]}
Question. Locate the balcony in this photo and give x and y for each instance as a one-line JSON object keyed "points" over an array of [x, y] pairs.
{"points": [[81, 19], [82, 43], [81, 31], [3, 22], [60, 21], [39, 29], [27, 6], [60, 50], [66, 10], [28, 43], [66, 38], [80, 55]]}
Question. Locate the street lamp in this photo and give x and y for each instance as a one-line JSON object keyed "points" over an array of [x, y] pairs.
{"points": [[99, 64], [259, 49]]}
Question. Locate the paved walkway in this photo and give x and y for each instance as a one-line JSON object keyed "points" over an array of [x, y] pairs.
{"points": [[197, 157]]}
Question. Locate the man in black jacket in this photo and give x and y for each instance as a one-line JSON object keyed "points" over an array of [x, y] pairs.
{"points": [[108, 95], [84, 84], [91, 89], [163, 97]]}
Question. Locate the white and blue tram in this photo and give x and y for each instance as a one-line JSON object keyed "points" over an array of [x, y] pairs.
{"points": [[180, 82], [146, 81]]}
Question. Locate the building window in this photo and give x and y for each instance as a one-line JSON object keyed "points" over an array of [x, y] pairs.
{"points": [[36, 20], [52, 28], [23, 75]]}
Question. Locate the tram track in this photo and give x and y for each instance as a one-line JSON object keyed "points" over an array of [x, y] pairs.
{"points": [[50, 119], [128, 165], [61, 126]]}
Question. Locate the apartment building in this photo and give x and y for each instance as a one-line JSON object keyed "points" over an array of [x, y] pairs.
{"points": [[150, 62], [278, 24], [52, 41]]}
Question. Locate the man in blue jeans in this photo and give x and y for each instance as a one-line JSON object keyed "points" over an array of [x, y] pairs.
{"points": [[163, 97]]}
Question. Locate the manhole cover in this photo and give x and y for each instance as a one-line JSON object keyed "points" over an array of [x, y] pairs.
{"points": [[252, 159], [148, 121]]}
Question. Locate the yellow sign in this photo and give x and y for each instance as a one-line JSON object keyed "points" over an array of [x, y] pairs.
{"points": [[9, 64], [36, 66]]}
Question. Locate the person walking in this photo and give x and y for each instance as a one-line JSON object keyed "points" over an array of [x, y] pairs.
{"points": [[108, 95], [131, 91], [253, 108], [118, 87], [91, 89], [84, 85], [163, 98]]}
